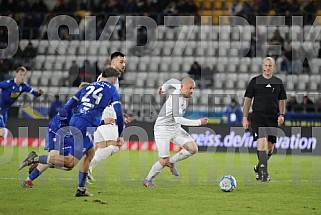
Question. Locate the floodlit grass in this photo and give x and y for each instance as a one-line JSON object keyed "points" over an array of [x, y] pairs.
{"points": [[295, 187]]}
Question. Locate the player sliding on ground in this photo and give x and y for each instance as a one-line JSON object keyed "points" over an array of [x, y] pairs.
{"points": [[168, 128]]}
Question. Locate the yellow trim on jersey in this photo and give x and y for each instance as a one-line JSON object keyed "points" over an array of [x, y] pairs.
{"points": [[14, 95], [33, 113]]}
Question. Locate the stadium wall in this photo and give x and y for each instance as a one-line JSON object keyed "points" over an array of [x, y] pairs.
{"points": [[139, 136]]}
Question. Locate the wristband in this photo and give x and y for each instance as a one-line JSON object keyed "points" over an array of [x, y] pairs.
{"points": [[281, 114]]}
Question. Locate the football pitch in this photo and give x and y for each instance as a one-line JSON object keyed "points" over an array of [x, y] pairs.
{"points": [[295, 186]]}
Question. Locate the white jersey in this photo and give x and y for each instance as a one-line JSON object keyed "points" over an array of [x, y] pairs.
{"points": [[174, 109], [109, 112], [117, 84]]}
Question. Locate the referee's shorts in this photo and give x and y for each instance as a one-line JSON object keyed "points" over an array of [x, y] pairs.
{"points": [[264, 127]]}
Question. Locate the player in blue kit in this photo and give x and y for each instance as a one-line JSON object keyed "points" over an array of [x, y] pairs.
{"points": [[10, 92], [90, 103], [59, 141]]}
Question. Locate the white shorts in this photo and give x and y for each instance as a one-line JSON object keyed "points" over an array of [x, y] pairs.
{"points": [[165, 135], [105, 133]]}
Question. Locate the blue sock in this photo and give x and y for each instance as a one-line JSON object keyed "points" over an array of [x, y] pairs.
{"points": [[43, 159], [82, 178], [34, 174]]}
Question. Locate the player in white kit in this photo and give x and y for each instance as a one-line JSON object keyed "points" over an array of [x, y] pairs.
{"points": [[106, 136], [168, 128]]}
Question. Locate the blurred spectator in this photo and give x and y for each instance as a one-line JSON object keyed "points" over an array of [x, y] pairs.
{"points": [[55, 107], [195, 71], [294, 8], [74, 79], [171, 9], [130, 6], [23, 6], [233, 113], [8, 6], [39, 6], [188, 7], [31, 26], [248, 12], [140, 48], [292, 105], [277, 40], [207, 76], [97, 69], [319, 52], [60, 7], [306, 66], [29, 52], [308, 10], [112, 6], [4, 70], [235, 10], [291, 63], [72, 5], [318, 105], [262, 7], [281, 7], [307, 105], [86, 72]]}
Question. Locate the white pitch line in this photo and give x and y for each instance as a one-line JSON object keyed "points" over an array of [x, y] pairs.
{"points": [[174, 180]]}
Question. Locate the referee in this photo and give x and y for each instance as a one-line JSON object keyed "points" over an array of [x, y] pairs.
{"points": [[268, 95]]}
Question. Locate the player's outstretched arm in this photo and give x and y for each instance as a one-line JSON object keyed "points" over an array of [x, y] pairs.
{"points": [[204, 121], [190, 122], [40, 91], [170, 83]]}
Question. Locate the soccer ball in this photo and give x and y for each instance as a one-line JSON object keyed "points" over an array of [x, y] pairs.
{"points": [[227, 183]]}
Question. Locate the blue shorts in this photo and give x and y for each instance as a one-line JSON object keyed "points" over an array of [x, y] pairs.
{"points": [[67, 140], [83, 133], [3, 120]]}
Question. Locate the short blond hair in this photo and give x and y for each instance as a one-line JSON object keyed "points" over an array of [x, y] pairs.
{"points": [[270, 59], [21, 68]]}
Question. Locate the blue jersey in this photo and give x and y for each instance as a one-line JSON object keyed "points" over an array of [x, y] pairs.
{"points": [[91, 101], [10, 93]]}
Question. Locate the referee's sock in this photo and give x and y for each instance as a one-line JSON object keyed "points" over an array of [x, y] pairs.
{"points": [[263, 158], [258, 157]]}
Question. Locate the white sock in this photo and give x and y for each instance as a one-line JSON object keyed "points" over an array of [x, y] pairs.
{"points": [[181, 155], [5, 135], [103, 153], [156, 169]]}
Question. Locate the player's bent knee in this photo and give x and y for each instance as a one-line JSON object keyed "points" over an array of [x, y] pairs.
{"points": [[164, 161], [193, 150], [2, 132], [90, 154], [191, 147]]}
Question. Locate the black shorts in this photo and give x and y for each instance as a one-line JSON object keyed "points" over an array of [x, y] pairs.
{"points": [[264, 126]]}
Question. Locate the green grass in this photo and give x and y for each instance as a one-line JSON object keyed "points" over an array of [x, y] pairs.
{"points": [[295, 187]]}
